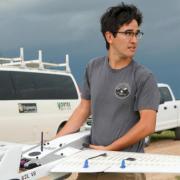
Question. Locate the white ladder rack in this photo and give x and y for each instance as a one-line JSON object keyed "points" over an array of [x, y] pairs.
{"points": [[37, 63]]}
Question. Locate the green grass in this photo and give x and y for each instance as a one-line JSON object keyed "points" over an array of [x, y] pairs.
{"points": [[163, 135]]}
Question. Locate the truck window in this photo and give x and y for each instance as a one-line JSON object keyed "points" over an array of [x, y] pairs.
{"points": [[7, 90], [43, 86], [24, 85], [165, 94], [55, 86]]}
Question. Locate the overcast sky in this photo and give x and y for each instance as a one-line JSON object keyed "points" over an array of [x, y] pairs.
{"points": [[59, 27]]}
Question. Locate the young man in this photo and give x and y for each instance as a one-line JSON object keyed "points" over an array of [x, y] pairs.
{"points": [[121, 94]]}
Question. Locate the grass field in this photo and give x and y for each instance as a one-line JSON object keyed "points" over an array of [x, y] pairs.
{"points": [[163, 135]]}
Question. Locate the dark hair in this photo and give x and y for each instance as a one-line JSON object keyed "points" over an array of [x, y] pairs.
{"points": [[117, 16]]}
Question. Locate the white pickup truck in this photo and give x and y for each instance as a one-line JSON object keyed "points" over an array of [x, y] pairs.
{"points": [[168, 116], [168, 112], [35, 97]]}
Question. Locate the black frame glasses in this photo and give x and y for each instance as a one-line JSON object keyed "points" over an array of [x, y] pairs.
{"points": [[131, 34]]}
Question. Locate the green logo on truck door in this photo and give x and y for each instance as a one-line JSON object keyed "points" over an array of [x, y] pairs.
{"points": [[64, 106]]}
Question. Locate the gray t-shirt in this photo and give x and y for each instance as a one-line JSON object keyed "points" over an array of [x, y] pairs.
{"points": [[116, 97]]}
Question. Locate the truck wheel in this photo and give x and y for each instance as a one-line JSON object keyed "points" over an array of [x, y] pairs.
{"points": [[147, 140], [177, 133], [61, 126]]}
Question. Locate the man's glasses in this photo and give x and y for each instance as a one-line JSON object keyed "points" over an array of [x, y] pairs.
{"points": [[131, 34]]}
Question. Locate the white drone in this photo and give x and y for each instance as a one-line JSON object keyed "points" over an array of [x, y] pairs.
{"points": [[70, 153]]}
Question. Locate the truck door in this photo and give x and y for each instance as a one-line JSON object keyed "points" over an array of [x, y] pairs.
{"points": [[168, 111]]}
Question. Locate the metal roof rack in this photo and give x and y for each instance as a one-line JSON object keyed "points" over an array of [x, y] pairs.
{"points": [[37, 63]]}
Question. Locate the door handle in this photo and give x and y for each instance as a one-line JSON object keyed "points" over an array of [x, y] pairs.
{"points": [[165, 107], [175, 106]]}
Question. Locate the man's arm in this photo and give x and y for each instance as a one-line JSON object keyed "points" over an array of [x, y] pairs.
{"points": [[78, 117], [144, 127]]}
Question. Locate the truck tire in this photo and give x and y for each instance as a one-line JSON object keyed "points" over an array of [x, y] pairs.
{"points": [[177, 133], [61, 126]]}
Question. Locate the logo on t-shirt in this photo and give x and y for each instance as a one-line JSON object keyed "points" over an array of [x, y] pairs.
{"points": [[122, 90]]}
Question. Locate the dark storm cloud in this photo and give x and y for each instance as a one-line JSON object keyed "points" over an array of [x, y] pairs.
{"points": [[38, 22], [46, 22]]}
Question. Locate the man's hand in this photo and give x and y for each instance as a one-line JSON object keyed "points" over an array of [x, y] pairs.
{"points": [[104, 148]]}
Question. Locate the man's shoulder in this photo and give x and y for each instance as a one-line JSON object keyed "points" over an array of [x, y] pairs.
{"points": [[97, 61], [142, 73], [141, 70]]}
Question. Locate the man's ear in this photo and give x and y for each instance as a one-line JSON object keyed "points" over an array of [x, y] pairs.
{"points": [[109, 37]]}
